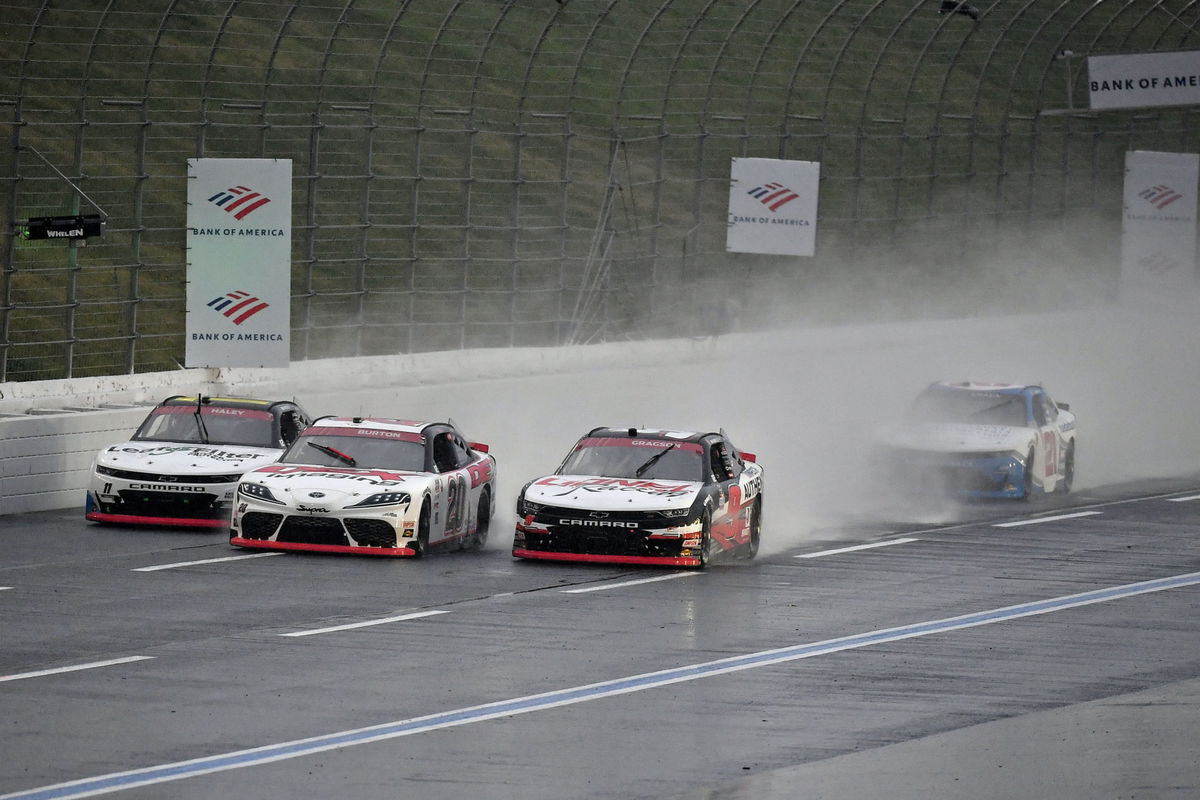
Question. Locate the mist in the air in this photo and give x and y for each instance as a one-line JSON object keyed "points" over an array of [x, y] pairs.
{"points": [[809, 398]]}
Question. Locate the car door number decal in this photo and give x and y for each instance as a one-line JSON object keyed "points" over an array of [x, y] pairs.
{"points": [[456, 500]]}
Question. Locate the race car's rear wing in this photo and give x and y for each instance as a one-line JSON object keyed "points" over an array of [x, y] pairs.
{"points": [[748, 456], [478, 447]]}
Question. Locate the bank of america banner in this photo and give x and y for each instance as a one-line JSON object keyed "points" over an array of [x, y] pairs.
{"points": [[239, 273], [1158, 233], [773, 206], [1144, 79]]}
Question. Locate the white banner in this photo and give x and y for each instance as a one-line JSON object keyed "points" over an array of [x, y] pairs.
{"points": [[1144, 79], [239, 265], [773, 206], [1158, 233]]}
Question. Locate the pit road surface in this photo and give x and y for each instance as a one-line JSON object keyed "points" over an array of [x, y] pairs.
{"points": [[1055, 657]]}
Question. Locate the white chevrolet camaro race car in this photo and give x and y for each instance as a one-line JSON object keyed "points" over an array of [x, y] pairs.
{"points": [[984, 440], [369, 486], [638, 496], [184, 462]]}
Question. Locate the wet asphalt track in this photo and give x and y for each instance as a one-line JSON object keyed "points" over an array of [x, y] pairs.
{"points": [[1091, 696]]}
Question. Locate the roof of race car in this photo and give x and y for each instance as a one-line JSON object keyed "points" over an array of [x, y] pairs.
{"points": [[975, 386], [223, 402], [646, 433], [374, 423]]}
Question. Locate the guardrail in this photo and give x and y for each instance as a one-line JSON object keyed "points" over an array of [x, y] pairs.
{"points": [[51, 430]]}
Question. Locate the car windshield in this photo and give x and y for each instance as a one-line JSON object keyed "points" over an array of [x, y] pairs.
{"points": [[969, 407], [362, 452], [650, 460], [214, 425]]}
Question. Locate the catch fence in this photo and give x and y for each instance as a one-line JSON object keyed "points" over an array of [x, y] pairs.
{"points": [[529, 172]]}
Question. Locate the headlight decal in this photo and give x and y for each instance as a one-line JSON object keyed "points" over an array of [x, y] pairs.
{"points": [[258, 492], [384, 499]]}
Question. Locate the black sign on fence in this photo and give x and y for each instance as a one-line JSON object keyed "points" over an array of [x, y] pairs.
{"points": [[71, 228]]}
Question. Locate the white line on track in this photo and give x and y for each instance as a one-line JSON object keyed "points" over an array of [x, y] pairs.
{"points": [[1183, 499], [366, 624], [1037, 520], [301, 748], [2, 588], [604, 586], [157, 567], [59, 670], [853, 548]]}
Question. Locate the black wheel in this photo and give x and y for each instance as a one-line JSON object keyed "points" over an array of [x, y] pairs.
{"points": [[483, 521], [751, 549], [422, 543], [1027, 483], [705, 539], [1068, 478]]}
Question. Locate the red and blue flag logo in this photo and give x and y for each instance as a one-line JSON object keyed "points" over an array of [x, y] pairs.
{"points": [[1159, 196], [773, 195], [240, 201], [238, 303]]}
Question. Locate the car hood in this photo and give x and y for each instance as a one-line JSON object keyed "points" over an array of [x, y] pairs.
{"points": [[594, 492], [183, 458], [333, 487], [960, 438]]}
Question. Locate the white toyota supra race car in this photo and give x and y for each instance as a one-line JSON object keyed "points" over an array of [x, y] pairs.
{"points": [[379, 487], [637, 496], [182, 465], [983, 440]]}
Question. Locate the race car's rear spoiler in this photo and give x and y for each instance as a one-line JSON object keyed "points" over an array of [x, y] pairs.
{"points": [[748, 456], [478, 447]]}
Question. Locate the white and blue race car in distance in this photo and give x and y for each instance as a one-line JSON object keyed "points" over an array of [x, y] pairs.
{"points": [[984, 440]]}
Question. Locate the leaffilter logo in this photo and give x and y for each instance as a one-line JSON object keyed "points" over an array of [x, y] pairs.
{"points": [[1159, 196], [239, 303], [239, 200]]}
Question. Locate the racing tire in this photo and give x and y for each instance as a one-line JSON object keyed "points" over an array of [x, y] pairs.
{"points": [[1027, 479], [483, 522], [1068, 478], [705, 540], [422, 543], [751, 549]]}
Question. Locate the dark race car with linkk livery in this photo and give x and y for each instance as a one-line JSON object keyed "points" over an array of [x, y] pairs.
{"points": [[639, 496]]}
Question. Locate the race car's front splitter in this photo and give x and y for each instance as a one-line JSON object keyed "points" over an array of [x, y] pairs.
{"points": [[264, 544], [178, 522], [662, 561]]}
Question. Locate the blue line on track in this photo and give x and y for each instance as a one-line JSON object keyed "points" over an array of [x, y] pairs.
{"points": [[105, 784]]}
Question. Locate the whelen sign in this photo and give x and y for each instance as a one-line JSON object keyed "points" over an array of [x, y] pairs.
{"points": [[71, 228]]}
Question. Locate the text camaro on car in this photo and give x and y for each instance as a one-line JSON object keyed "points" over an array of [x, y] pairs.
{"points": [[984, 440], [182, 465], [369, 486], [637, 496]]}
